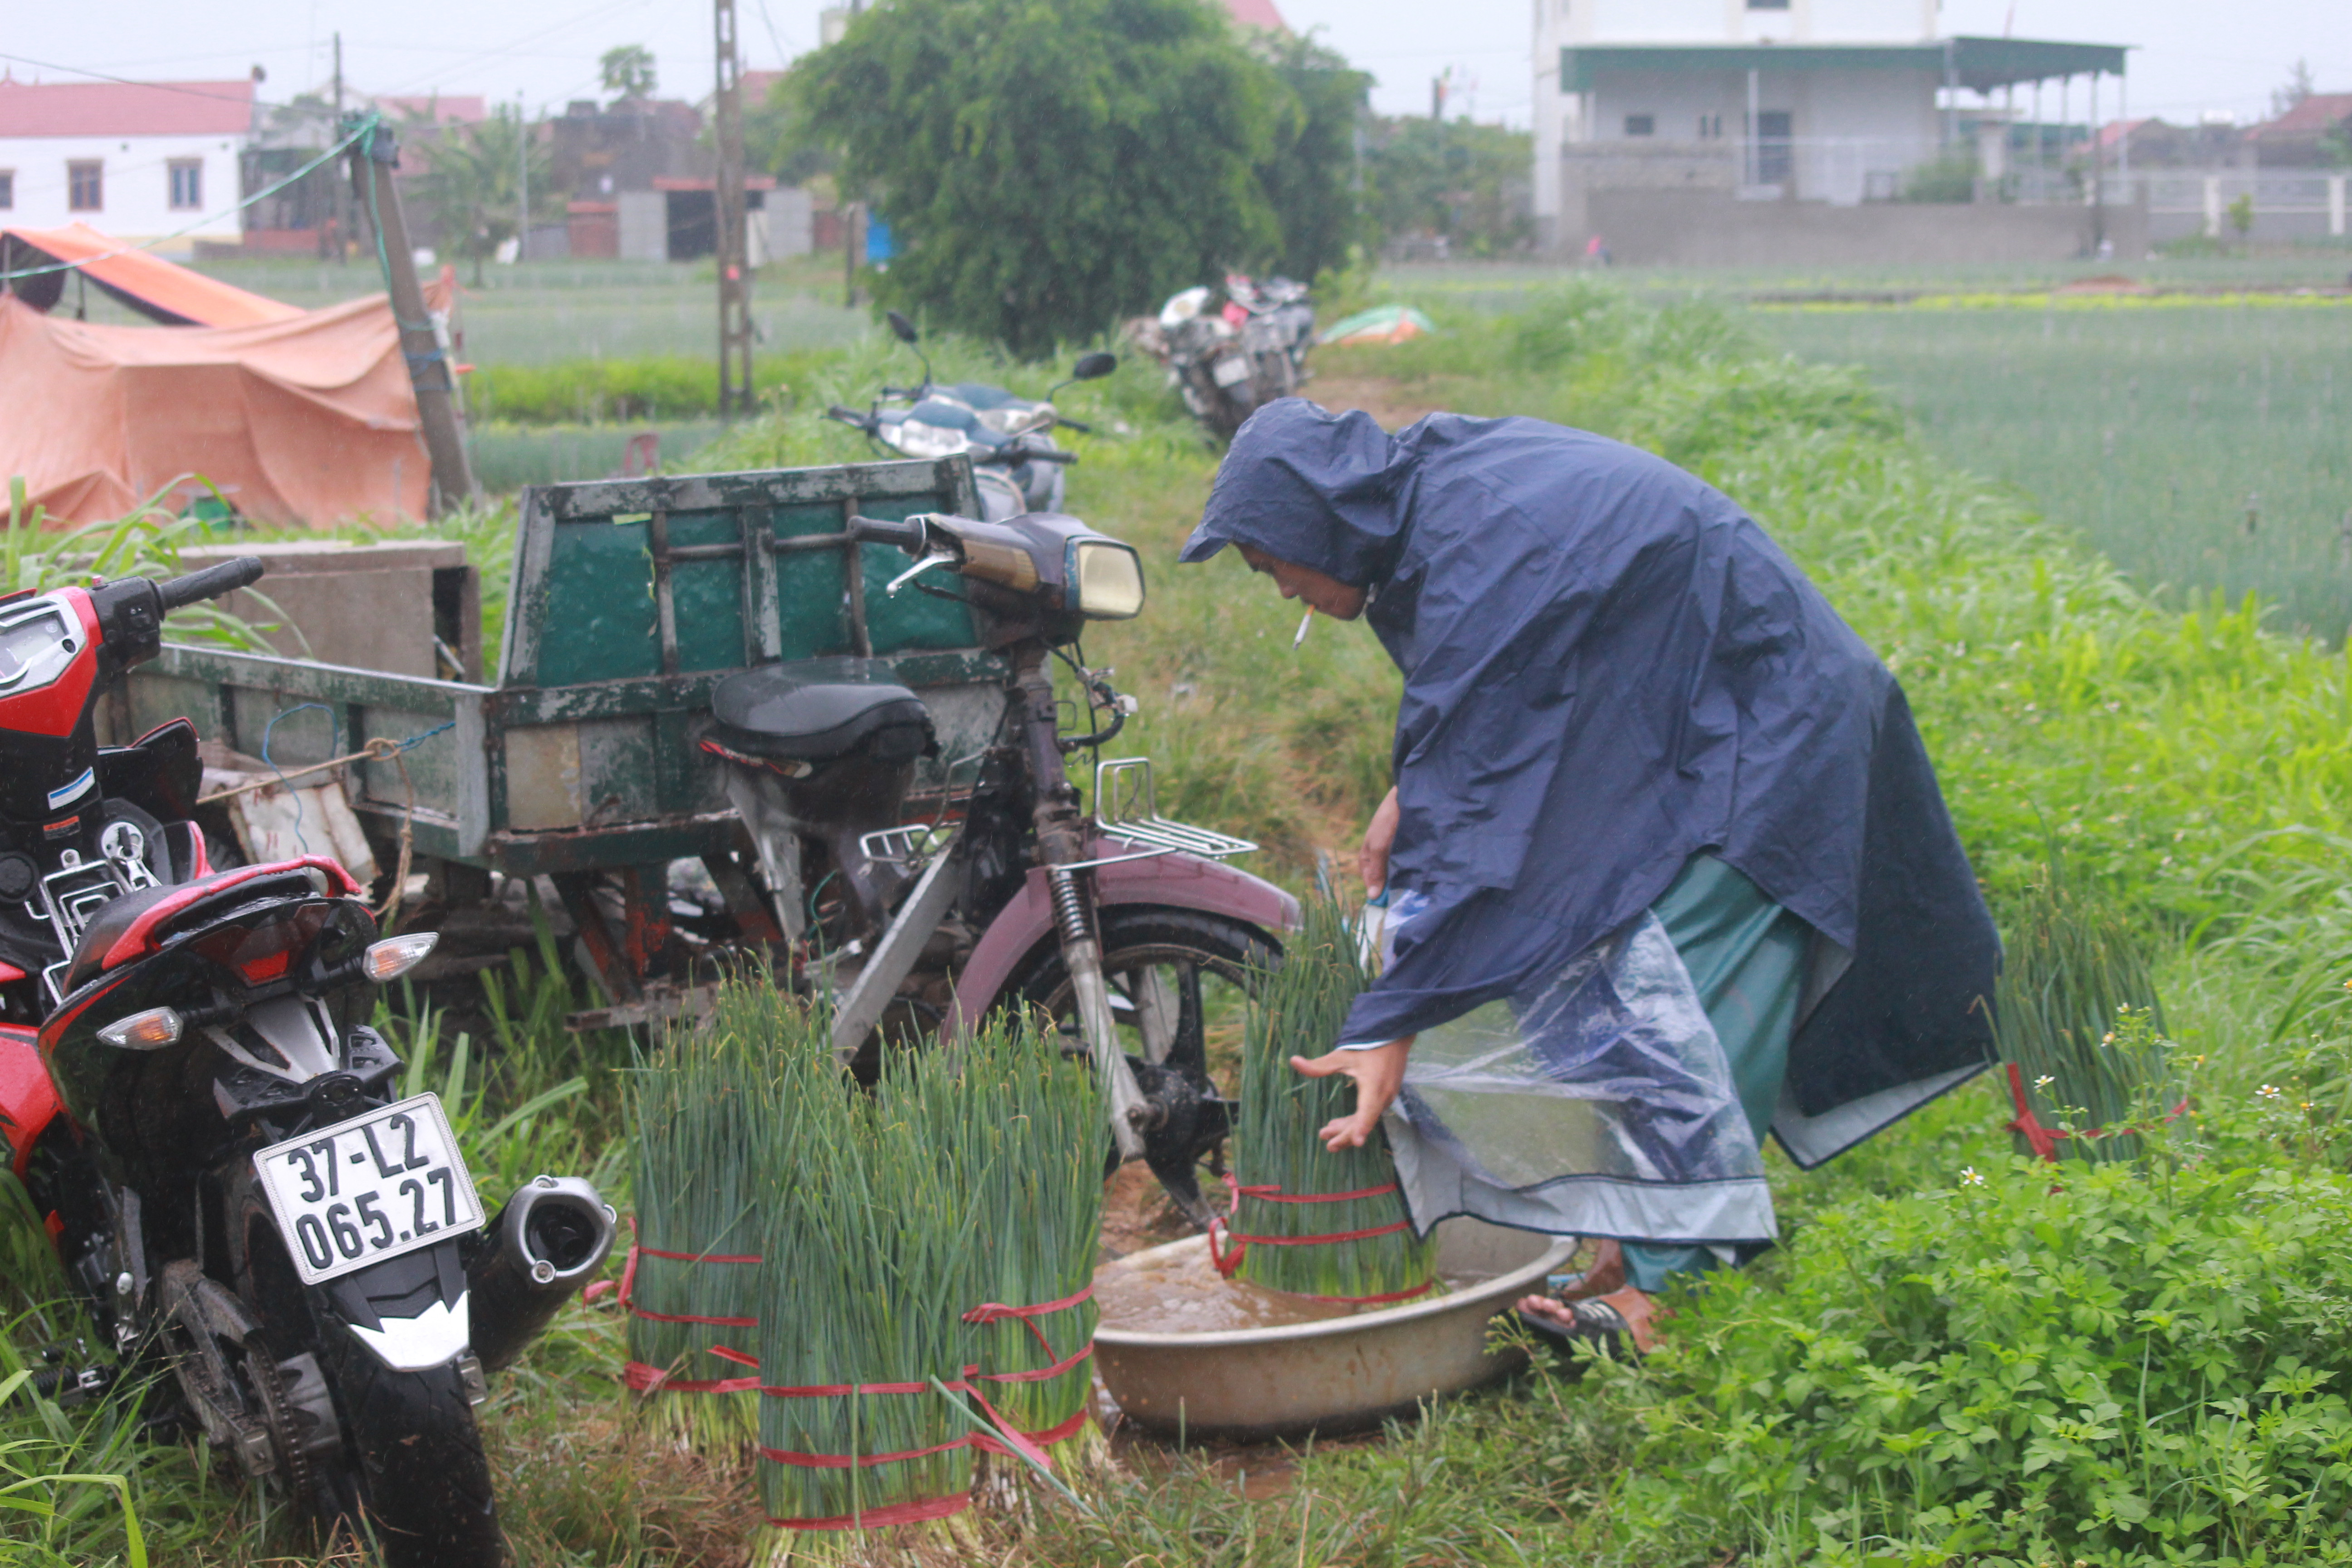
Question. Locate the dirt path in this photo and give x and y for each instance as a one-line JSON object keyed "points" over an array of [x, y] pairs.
{"points": [[1376, 395]]}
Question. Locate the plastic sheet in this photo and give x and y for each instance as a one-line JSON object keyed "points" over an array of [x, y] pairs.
{"points": [[1599, 1104]]}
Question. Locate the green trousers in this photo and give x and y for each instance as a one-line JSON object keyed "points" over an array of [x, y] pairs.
{"points": [[1746, 956]]}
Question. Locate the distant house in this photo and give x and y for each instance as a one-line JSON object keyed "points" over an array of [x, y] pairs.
{"points": [[1831, 101], [139, 160], [2315, 133]]}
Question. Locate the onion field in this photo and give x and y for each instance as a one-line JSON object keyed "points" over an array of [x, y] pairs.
{"points": [[2197, 445]]}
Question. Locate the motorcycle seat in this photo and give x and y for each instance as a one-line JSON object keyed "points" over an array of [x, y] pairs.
{"points": [[817, 710]]}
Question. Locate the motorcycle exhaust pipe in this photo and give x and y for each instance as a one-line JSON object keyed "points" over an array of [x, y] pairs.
{"points": [[542, 1247]]}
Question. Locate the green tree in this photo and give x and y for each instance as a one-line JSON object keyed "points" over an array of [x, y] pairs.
{"points": [[469, 184], [1465, 182], [1310, 177], [628, 71], [779, 138], [1050, 165]]}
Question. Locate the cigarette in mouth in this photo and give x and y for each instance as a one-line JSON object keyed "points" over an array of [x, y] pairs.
{"points": [[1304, 621]]}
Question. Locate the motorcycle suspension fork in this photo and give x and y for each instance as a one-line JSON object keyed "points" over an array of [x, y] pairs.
{"points": [[1062, 844]]}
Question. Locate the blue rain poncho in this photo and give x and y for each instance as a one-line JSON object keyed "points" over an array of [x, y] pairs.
{"points": [[1610, 668]]}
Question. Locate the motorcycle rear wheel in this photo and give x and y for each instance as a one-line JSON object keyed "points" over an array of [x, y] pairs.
{"points": [[412, 1477], [419, 1478]]}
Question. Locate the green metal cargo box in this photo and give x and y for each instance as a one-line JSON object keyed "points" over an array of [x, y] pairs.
{"points": [[630, 600]]}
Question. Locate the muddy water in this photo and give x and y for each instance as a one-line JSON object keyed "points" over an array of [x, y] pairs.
{"points": [[1183, 1294]]}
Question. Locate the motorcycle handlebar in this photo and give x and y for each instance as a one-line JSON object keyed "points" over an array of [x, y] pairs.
{"points": [[209, 584], [1018, 454], [847, 416], [909, 535], [1080, 426]]}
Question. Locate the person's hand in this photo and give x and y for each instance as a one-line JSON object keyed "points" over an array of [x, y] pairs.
{"points": [[1372, 859], [1378, 1074]]}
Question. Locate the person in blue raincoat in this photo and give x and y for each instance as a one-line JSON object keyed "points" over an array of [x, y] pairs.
{"points": [[1666, 867]]}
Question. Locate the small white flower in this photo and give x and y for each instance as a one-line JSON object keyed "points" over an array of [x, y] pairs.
{"points": [[2268, 1091], [2108, 1038], [2045, 1081], [1971, 1177]]}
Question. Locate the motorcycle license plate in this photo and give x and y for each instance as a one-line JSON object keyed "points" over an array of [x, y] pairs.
{"points": [[1230, 370], [370, 1188]]}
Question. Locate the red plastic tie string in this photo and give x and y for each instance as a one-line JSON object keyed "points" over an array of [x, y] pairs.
{"points": [[629, 1284], [997, 1312], [1227, 1263], [2043, 1139], [888, 1514]]}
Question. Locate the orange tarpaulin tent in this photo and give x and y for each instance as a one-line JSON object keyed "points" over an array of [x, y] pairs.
{"points": [[173, 295], [306, 418]]}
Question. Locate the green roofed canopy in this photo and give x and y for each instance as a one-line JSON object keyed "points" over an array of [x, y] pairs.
{"points": [[1977, 64]]}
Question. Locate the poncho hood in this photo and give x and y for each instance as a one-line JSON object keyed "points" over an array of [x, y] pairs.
{"points": [[1609, 668], [1326, 490]]}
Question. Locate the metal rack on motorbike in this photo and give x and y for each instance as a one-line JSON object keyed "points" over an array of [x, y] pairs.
{"points": [[866, 760]]}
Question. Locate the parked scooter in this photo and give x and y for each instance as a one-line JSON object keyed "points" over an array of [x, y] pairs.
{"points": [[1232, 360], [1009, 895], [191, 1093], [1016, 463]]}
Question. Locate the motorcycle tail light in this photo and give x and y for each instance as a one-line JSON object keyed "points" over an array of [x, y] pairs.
{"points": [[395, 956], [148, 1031]]}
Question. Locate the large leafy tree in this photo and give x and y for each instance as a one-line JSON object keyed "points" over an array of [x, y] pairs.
{"points": [[1049, 165]]}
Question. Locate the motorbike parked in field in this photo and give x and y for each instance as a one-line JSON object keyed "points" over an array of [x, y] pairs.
{"points": [[191, 1094], [1233, 360], [1016, 463], [1122, 927]]}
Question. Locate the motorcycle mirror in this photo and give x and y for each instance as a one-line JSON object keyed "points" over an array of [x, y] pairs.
{"points": [[903, 328], [1093, 366]]}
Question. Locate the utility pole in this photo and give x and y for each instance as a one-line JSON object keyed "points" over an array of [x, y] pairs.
{"points": [[733, 249], [341, 204], [523, 183], [373, 161]]}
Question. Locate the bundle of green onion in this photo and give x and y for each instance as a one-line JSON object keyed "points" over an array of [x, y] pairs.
{"points": [[2072, 974], [966, 1178], [708, 1109], [1278, 1154], [1034, 1130]]}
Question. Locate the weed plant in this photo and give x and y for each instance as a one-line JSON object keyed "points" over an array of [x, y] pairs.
{"points": [[1296, 1009]]}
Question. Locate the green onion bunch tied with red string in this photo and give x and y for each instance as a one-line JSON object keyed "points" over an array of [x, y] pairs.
{"points": [[917, 1225], [1032, 1125], [1358, 1249], [708, 1111], [2077, 1014]]}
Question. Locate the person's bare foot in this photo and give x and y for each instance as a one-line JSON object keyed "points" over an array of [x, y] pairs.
{"points": [[1629, 1304], [1605, 1273]]}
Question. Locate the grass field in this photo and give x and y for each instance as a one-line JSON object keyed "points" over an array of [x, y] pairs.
{"points": [[2199, 447], [2145, 1367]]}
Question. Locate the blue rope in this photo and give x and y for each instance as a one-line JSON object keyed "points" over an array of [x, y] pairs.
{"points": [[335, 729]]}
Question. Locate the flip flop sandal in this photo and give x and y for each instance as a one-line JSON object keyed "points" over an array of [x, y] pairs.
{"points": [[1598, 1324]]}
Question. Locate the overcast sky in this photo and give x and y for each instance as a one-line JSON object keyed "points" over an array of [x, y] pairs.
{"points": [[2193, 56]]}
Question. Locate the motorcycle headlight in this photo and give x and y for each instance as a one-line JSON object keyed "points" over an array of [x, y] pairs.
{"points": [[1106, 580]]}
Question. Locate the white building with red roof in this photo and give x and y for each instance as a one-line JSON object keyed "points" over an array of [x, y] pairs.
{"points": [[137, 160]]}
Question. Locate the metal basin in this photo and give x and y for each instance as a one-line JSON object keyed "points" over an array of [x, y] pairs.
{"points": [[1339, 1374]]}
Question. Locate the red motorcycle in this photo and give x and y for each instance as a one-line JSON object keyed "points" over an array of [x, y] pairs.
{"points": [[191, 1093]]}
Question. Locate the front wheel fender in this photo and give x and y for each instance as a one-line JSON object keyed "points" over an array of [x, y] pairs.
{"points": [[1179, 881]]}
